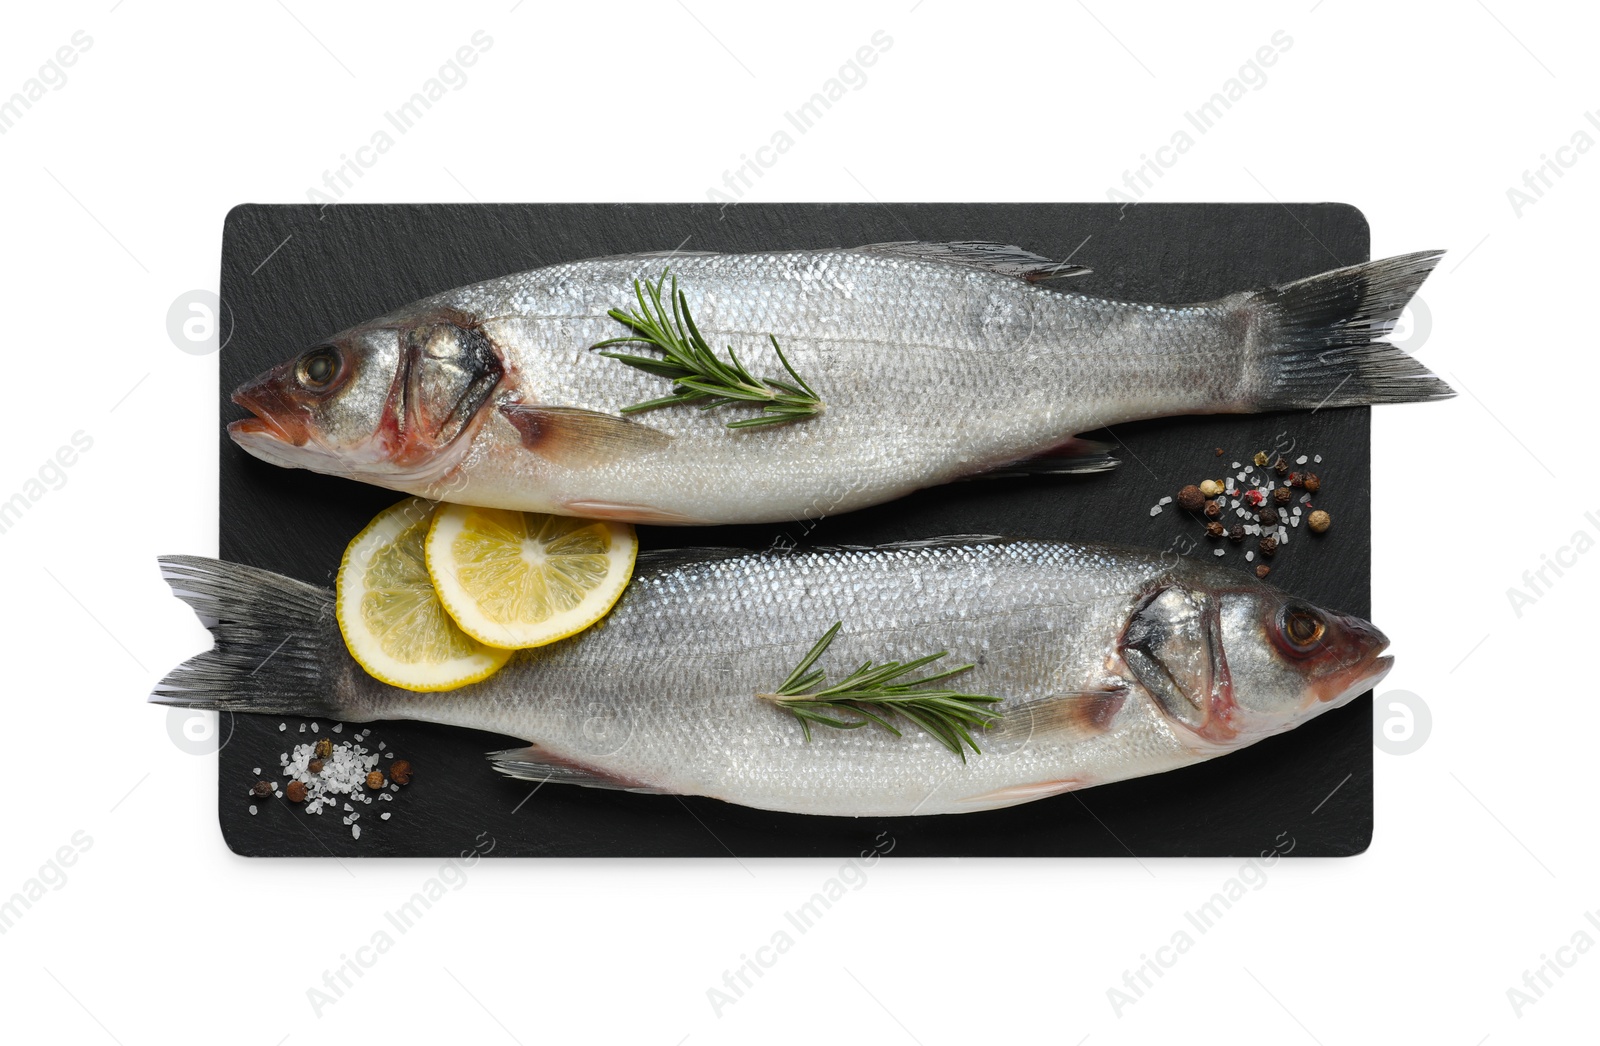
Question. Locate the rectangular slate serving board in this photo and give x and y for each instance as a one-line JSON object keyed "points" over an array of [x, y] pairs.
{"points": [[292, 274]]}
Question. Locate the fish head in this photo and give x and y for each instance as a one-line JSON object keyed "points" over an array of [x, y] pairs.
{"points": [[1233, 661], [384, 403]]}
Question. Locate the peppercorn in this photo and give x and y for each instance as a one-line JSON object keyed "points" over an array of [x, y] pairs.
{"points": [[400, 772], [1260, 458], [261, 788], [1311, 482], [295, 792], [1280, 466], [1269, 547], [1268, 516], [1263, 570], [324, 748], [1237, 533], [1213, 509], [1219, 452], [1294, 479], [375, 780], [1211, 487], [1191, 499], [1255, 498], [1319, 521], [1281, 495], [1215, 529], [315, 766]]}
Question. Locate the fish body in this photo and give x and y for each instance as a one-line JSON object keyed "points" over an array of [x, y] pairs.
{"points": [[1109, 663], [932, 361]]}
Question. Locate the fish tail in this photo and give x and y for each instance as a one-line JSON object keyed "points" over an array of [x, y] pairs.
{"points": [[276, 642], [1320, 338]]}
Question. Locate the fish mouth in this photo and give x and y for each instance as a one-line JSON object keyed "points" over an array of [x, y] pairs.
{"points": [[274, 417], [1363, 664]]}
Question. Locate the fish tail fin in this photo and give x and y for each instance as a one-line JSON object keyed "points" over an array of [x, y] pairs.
{"points": [[276, 642], [1320, 338]]}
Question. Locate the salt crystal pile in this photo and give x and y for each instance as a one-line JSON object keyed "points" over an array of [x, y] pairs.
{"points": [[344, 773]]}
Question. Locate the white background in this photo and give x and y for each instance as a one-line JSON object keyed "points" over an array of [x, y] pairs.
{"points": [[115, 186]]}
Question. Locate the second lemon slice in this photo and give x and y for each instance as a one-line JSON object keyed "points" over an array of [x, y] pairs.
{"points": [[524, 579]]}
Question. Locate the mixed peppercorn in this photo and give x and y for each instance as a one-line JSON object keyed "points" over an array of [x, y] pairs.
{"points": [[1269, 504]]}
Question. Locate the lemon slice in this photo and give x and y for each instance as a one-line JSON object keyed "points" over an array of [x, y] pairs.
{"points": [[522, 579], [390, 615]]}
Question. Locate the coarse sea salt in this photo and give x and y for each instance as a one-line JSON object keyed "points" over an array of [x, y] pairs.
{"points": [[384, 815], [1248, 556], [252, 809], [1155, 510], [1219, 552], [1318, 459], [1301, 460], [343, 775], [1164, 501]]}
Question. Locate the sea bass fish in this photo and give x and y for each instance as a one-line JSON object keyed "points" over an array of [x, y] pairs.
{"points": [[1109, 664], [931, 361]]}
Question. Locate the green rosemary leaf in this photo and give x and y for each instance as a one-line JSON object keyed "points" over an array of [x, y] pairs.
{"points": [[688, 361], [806, 662], [664, 401], [877, 693], [663, 368], [792, 372], [762, 420]]}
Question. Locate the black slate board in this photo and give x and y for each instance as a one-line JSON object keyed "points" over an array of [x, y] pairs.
{"points": [[292, 274]]}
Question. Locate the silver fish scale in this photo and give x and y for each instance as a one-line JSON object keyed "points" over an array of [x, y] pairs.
{"points": [[929, 371], [663, 692]]}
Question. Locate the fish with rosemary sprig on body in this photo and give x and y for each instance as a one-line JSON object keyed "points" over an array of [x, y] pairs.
{"points": [[885, 368], [1101, 664]]}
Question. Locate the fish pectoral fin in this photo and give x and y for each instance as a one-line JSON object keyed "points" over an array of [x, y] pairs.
{"points": [[1074, 457], [1001, 258], [578, 438], [545, 767], [1058, 717]]}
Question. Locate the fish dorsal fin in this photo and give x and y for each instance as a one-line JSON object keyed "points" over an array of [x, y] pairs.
{"points": [[1001, 258], [655, 254], [663, 560], [946, 541]]}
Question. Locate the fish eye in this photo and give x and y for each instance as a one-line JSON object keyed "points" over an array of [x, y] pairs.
{"points": [[319, 367], [1301, 628]]}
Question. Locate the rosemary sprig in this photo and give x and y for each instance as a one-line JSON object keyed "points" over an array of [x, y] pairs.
{"points": [[700, 377], [877, 693]]}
